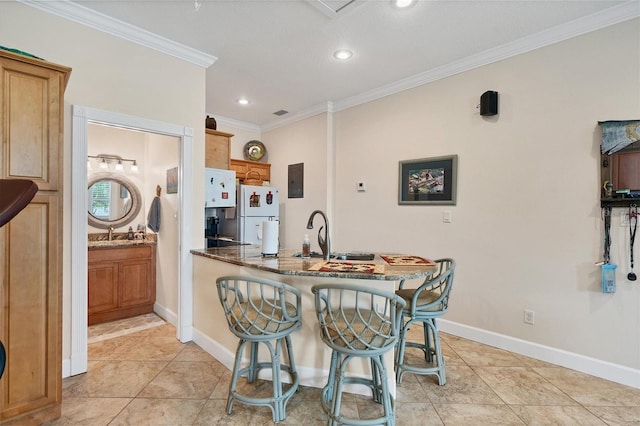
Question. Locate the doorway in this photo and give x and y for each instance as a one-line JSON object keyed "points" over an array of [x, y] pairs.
{"points": [[81, 117]]}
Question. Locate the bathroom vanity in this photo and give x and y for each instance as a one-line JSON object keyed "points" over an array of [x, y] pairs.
{"points": [[121, 279]]}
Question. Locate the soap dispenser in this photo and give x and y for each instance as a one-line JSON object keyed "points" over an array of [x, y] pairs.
{"points": [[130, 234], [306, 247]]}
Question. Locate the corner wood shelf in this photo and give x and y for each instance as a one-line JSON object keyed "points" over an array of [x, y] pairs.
{"points": [[619, 202]]}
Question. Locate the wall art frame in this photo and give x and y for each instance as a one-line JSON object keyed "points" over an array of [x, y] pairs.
{"points": [[428, 181], [172, 181]]}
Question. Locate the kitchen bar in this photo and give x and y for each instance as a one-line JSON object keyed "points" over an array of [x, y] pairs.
{"points": [[312, 356]]}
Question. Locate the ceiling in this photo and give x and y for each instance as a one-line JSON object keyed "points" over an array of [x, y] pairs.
{"points": [[278, 53]]}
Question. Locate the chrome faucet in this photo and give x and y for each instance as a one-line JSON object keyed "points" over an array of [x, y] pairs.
{"points": [[110, 233], [325, 246]]}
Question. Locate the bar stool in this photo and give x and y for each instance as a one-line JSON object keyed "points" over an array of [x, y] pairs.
{"points": [[357, 322], [267, 312], [425, 304]]}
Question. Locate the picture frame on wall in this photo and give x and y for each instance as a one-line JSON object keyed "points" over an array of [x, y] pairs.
{"points": [[428, 181], [172, 181]]}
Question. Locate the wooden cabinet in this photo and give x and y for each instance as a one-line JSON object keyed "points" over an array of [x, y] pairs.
{"points": [[217, 149], [242, 167], [31, 147], [122, 282]]}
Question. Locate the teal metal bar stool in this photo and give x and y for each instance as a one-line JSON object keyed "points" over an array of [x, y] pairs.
{"points": [[261, 311], [424, 305], [357, 322]]}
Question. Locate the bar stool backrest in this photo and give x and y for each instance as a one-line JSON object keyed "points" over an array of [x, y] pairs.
{"points": [[256, 307], [357, 320]]}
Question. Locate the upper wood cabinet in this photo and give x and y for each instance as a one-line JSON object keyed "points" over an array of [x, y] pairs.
{"points": [[243, 167], [31, 147], [217, 149]]}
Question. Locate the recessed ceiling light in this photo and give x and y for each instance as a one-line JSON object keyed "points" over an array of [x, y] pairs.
{"points": [[403, 3], [243, 101], [342, 54]]}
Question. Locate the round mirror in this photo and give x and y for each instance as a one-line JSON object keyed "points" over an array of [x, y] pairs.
{"points": [[113, 200]]}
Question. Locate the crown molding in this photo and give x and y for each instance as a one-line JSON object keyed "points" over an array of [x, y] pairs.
{"points": [[96, 20], [236, 124], [306, 113], [611, 16]]}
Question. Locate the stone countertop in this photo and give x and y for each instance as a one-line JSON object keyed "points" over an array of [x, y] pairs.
{"points": [[119, 240], [288, 264]]}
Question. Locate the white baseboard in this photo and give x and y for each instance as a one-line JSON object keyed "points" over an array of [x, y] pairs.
{"points": [[595, 367], [166, 314]]}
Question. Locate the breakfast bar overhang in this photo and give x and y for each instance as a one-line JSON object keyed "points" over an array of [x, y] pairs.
{"points": [[312, 356]]}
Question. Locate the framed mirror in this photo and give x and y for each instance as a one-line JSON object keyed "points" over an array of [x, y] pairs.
{"points": [[113, 200]]}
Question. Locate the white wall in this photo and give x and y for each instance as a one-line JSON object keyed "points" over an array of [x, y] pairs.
{"points": [[527, 227], [110, 74], [302, 142], [162, 155]]}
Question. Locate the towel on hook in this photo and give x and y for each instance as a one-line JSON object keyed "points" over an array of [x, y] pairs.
{"points": [[153, 219]]}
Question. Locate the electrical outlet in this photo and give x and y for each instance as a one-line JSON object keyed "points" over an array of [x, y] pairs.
{"points": [[529, 317]]}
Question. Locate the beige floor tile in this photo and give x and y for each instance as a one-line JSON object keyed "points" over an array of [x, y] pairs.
{"points": [[108, 330], [615, 416], [475, 414], [159, 412], [193, 352], [479, 355], [114, 379], [188, 387], [567, 415], [221, 389], [590, 390], [152, 347], [305, 408], [520, 386], [102, 410], [416, 414], [214, 413], [410, 390], [463, 387], [189, 380]]}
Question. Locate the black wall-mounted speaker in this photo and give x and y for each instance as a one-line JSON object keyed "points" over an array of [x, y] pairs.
{"points": [[489, 103]]}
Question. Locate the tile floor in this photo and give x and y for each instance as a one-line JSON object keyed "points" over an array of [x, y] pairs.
{"points": [[149, 378]]}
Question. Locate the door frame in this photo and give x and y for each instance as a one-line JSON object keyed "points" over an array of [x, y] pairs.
{"points": [[81, 117]]}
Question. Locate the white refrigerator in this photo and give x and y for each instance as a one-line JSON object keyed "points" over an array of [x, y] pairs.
{"points": [[256, 204], [219, 188]]}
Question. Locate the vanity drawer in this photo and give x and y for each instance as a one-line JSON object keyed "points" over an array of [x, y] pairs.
{"points": [[120, 253]]}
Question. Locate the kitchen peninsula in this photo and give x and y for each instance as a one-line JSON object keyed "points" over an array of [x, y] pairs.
{"points": [[311, 354]]}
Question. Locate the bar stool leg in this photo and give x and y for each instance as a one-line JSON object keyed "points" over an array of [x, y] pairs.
{"points": [[383, 390], [235, 374], [253, 363], [336, 405]]}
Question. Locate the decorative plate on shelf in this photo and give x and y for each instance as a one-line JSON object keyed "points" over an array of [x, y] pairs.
{"points": [[254, 150]]}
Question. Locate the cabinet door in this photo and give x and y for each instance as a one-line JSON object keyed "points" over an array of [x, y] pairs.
{"points": [[217, 149], [30, 246], [31, 136], [103, 287], [135, 279]]}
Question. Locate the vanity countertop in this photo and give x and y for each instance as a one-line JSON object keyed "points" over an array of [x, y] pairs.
{"points": [[119, 239]]}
